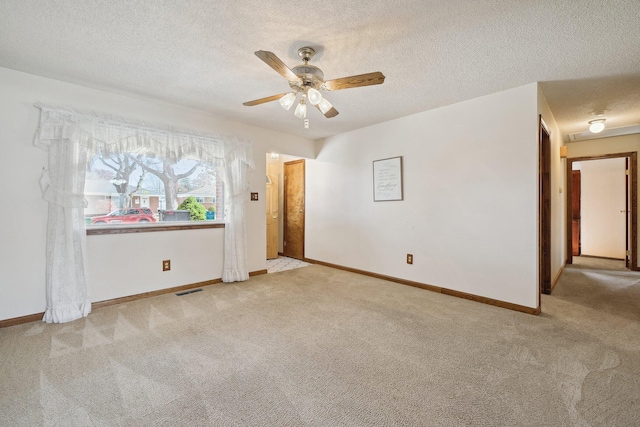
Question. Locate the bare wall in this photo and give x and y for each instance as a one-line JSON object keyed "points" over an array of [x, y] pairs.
{"points": [[469, 214], [602, 207]]}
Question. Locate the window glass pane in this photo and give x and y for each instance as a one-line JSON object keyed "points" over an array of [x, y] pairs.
{"points": [[144, 189]]}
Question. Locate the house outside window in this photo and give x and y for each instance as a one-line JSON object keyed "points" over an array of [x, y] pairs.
{"points": [[145, 182]]}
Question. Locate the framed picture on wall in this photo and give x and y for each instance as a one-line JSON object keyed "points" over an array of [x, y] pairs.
{"points": [[387, 179]]}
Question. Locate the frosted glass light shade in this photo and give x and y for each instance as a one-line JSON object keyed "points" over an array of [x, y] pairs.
{"points": [[288, 100], [596, 126], [325, 106], [301, 110], [314, 96]]}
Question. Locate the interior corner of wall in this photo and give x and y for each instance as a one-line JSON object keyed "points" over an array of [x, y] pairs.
{"points": [[319, 146]]}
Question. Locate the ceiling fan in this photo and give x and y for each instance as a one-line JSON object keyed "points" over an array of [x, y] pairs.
{"points": [[307, 81]]}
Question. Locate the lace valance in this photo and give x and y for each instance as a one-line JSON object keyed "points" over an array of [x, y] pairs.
{"points": [[104, 134]]}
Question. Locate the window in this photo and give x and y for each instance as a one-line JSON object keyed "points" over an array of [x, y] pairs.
{"points": [[70, 137], [132, 188]]}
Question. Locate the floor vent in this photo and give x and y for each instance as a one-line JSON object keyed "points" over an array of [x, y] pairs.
{"points": [[188, 292]]}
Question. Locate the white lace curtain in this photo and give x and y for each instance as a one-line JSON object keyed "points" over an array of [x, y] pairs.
{"points": [[71, 138]]}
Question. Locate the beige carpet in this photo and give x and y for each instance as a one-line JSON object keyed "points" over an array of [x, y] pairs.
{"points": [[322, 347]]}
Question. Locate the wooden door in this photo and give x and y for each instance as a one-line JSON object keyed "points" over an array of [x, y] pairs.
{"points": [[575, 212], [293, 245], [272, 212], [544, 215], [633, 211], [627, 232]]}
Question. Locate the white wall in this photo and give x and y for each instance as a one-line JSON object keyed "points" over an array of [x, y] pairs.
{"points": [[602, 194], [469, 214], [113, 272], [121, 264], [601, 146]]}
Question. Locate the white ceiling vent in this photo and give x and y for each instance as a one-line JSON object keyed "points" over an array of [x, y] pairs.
{"points": [[626, 130]]}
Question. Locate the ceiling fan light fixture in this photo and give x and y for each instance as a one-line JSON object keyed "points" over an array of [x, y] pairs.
{"points": [[308, 80], [324, 106], [287, 101], [301, 109], [315, 97], [596, 126]]}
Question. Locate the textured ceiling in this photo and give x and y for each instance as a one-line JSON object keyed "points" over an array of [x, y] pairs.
{"points": [[199, 53]]}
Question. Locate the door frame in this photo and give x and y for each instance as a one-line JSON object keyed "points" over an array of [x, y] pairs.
{"points": [[627, 167], [274, 189], [544, 209], [633, 203], [577, 174]]}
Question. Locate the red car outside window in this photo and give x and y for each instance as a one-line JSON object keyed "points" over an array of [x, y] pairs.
{"points": [[125, 216]]}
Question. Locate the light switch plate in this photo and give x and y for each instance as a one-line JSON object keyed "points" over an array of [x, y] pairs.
{"points": [[254, 197]]}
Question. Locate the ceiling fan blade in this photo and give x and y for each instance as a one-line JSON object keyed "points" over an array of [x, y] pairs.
{"points": [[274, 62], [331, 113], [369, 79], [263, 100]]}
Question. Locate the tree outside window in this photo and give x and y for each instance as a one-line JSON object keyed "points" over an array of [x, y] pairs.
{"points": [[120, 181]]}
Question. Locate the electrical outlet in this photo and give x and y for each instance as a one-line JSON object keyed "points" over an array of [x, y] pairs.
{"points": [[254, 197], [166, 265], [409, 259]]}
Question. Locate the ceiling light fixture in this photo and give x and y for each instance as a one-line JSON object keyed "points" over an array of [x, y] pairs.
{"points": [[596, 126], [308, 80], [301, 109], [288, 100], [314, 96], [324, 106]]}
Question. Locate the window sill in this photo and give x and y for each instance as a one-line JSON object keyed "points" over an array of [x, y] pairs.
{"points": [[95, 230]]}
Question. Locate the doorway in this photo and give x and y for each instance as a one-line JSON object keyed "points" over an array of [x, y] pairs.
{"points": [[294, 209], [576, 194], [544, 206], [625, 234], [272, 210]]}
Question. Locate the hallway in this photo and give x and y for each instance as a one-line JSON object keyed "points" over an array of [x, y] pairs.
{"points": [[602, 286]]}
